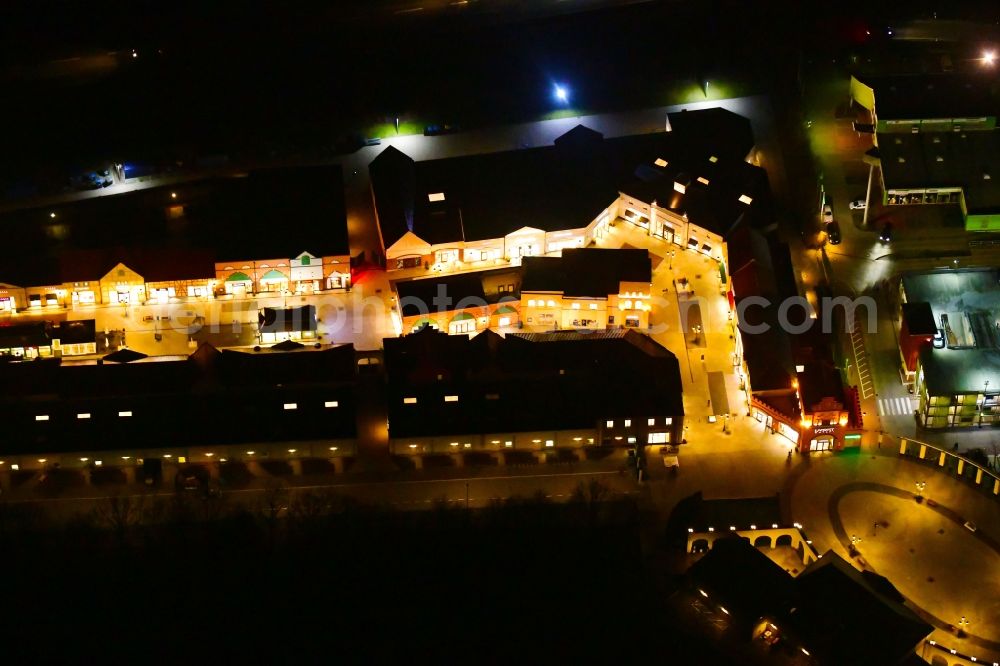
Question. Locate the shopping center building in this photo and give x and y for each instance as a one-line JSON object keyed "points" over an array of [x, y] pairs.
{"points": [[936, 141], [269, 231], [690, 187], [534, 391], [949, 344]]}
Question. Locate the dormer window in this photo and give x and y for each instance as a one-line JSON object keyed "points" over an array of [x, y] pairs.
{"points": [[745, 199], [660, 162], [703, 180], [679, 187]]}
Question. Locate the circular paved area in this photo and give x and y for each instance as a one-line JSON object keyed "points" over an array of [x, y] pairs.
{"points": [[944, 570]]}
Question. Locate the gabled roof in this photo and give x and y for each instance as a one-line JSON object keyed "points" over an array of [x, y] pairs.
{"points": [[441, 294], [836, 600], [525, 382], [164, 238], [568, 184]]}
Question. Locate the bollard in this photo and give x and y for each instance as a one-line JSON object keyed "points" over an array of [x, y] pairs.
{"points": [[923, 451], [961, 466], [942, 458], [979, 475]]}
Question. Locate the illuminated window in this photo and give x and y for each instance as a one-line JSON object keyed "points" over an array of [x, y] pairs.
{"points": [[669, 420], [576, 306], [703, 180], [745, 199], [291, 405], [42, 417], [628, 423], [650, 422], [610, 424], [409, 401], [124, 415], [549, 442], [631, 440], [508, 444], [593, 306], [531, 303], [660, 162], [451, 398], [331, 403], [679, 187], [800, 368], [626, 305], [83, 416], [551, 304], [436, 196], [713, 159], [658, 438]]}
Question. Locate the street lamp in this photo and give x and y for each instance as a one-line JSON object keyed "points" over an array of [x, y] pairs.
{"points": [[672, 253], [962, 625], [989, 57], [921, 485], [561, 93]]}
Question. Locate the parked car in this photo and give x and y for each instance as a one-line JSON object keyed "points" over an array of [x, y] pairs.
{"points": [[886, 234], [939, 339], [833, 232], [827, 213], [859, 204]]}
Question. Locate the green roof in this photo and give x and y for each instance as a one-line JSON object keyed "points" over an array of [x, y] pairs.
{"points": [[462, 316], [239, 277], [274, 274]]}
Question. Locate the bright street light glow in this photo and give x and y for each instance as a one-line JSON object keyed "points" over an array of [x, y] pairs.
{"points": [[561, 94], [989, 57]]}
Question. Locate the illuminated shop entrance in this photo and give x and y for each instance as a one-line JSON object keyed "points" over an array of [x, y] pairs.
{"points": [[823, 443]]}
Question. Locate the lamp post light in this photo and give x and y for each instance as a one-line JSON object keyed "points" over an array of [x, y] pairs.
{"points": [[921, 485], [989, 57], [672, 253], [963, 624], [561, 94]]}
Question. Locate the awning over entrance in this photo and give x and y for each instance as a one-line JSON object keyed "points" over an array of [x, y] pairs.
{"points": [[238, 277], [505, 309], [462, 316], [717, 391], [273, 275]]}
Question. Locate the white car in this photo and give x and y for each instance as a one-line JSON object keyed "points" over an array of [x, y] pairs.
{"points": [[827, 213], [859, 204]]}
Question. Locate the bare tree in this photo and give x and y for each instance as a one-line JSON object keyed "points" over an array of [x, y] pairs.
{"points": [[120, 513]]}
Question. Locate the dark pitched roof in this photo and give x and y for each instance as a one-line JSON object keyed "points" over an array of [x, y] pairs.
{"points": [[566, 185], [286, 320], [744, 579], [525, 382], [740, 513], [818, 380], [919, 318], [586, 271], [393, 182], [836, 600], [34, 334], [264, 214], [440, 294], [75, 332]]}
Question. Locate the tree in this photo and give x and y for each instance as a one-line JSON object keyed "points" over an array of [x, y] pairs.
{"points": [[120, 513]]}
